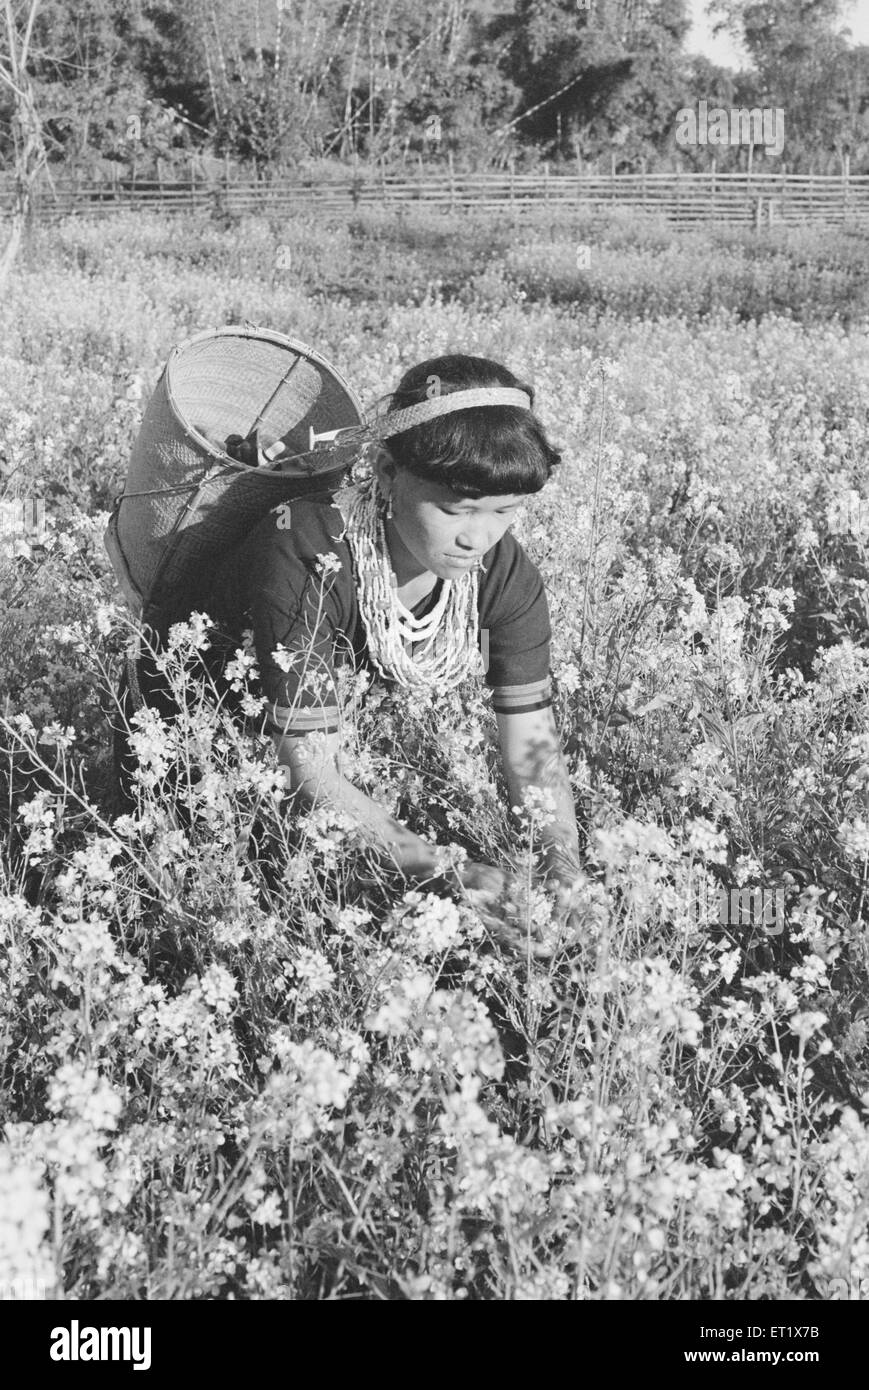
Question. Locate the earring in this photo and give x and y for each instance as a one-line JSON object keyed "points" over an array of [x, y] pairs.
{"points": [[389, 507]]}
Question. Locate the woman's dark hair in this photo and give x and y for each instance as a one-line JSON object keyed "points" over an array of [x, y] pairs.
{"points": [[485, 451]]}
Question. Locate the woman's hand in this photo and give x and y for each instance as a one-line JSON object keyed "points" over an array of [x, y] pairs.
{"points": [[567, 888], [564, 877], [496, 897]]}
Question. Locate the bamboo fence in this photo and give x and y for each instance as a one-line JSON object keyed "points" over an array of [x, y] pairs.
{"points": [[752, 198]]}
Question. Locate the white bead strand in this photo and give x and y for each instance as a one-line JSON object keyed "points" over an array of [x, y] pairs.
{"points": [[449, 633]]}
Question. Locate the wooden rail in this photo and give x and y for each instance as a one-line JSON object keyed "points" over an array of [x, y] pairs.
{"points": [[758, 199]]}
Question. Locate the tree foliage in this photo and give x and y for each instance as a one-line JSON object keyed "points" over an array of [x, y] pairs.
{"points": [[275, 82], [802, 63]]}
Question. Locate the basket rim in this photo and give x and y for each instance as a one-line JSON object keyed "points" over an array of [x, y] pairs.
{"points": [[271, 335]]}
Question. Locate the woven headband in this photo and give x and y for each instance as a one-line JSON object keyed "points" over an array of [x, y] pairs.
{"points": [[396, 421]]}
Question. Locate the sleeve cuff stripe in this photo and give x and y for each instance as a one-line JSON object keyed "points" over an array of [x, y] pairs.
{"points": [[520, 709], [293, 731], [522, 691], [283, 719]]}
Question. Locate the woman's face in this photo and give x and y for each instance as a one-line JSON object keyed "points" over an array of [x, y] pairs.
{"points": [[435, 529]]}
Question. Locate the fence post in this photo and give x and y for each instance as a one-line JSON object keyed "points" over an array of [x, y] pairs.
{"points": [[578, 176], [356, 181], [546, 183], [452, 182], [513, 192], [192, 181], [846, 176]]}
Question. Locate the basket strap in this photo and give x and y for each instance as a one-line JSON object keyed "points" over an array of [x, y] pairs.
{"points": [[132, 667]]}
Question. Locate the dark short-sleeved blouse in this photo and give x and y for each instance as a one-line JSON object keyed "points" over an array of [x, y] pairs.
{"points": [[273, 584]]}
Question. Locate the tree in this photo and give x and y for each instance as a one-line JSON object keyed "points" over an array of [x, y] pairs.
{"points": [[799, 60], [415, 78], [852, 97], [89, 73], [718, 87], [75, 59], [28, 146], [442, 89], [266, 68], [597, 76]]}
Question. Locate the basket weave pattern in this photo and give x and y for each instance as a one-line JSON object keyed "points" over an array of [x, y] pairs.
{"points": [[185, 501]]}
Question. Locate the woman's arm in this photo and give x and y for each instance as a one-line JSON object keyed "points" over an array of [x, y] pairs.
{"points": [[532, 756], [311, 770]]}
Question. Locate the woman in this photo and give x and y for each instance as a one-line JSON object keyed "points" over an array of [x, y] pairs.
{"points": [[402, 572]]}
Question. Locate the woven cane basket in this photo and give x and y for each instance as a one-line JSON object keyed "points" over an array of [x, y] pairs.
{"points": [[186, 501]]}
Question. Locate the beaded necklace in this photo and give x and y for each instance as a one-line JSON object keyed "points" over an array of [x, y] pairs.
{"points": [[449, 632]]}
